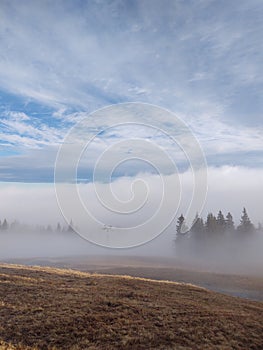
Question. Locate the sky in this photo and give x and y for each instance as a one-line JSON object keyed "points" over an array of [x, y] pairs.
{"points": [[202, 60]]}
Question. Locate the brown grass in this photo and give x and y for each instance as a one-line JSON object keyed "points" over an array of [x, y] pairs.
{"points": [[48, 308]]}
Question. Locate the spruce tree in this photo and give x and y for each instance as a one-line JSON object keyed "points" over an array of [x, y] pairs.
{"points": [[211, 224], [220, 222], [245, 223], [230, 226], [71, 227], [5, 225], [198, 225], [179, 225], [49, 228]]}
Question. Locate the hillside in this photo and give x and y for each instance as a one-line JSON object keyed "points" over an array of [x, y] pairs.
{"points": [[48, 308]]}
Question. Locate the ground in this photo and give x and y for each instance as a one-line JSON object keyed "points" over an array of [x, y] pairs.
{"points": [[49, 308]]}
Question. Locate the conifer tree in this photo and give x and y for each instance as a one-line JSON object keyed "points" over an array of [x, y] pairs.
{"points": [[71, 227], [5, 225], [230, 226], [211, 224], [245, 223], [220, 222], [198, 225], [49, 228], [179, 225]]}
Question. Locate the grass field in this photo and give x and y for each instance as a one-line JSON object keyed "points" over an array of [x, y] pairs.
{"points": [[242, 284], [49, 308]]}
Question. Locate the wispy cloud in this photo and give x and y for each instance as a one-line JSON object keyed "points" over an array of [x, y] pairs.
{"points": [[200, 59], [146, 138], [187, 57], [21, 131]]}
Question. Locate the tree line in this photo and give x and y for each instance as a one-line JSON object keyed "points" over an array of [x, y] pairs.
{"points": [[16, 226], [216, 224]]}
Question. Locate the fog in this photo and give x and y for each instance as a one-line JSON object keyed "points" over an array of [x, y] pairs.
{"points": [[35, 207], [229, 253]]}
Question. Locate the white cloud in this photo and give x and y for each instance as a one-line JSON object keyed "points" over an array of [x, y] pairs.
{"points": [[128, 131], [16, 116], [23, 132], [218, 137]]}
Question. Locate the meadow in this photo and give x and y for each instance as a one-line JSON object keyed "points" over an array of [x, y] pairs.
{"points": [[52, 308]]}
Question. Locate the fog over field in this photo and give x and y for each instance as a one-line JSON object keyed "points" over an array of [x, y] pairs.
{"points": [[228, 252]]}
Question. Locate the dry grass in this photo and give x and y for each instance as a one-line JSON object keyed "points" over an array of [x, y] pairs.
{"points": [[47, 308]]}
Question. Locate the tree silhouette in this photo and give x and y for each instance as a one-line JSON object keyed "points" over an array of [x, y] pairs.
{"points": [[245, 223], [181, 228], [230, 226], [220, 222], [5, 225], [211, 223], [71, 227], [198, 225], [49, 228]]}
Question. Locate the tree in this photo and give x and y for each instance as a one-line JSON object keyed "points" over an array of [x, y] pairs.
{"points": [[14, 225], [211, 224], [71, 227], [4, 225], [230, 226], [198, 225], [49, 228], [181, 228], [245, 223], [220, 222]]}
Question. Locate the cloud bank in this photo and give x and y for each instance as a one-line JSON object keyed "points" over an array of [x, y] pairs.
{"points": [[229, 189]]}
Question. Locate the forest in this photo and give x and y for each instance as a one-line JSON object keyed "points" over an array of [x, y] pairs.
{"points": [[218, 224], [16, 226]]}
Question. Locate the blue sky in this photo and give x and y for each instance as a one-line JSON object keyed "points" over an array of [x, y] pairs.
{"points": [[61, 60]]}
